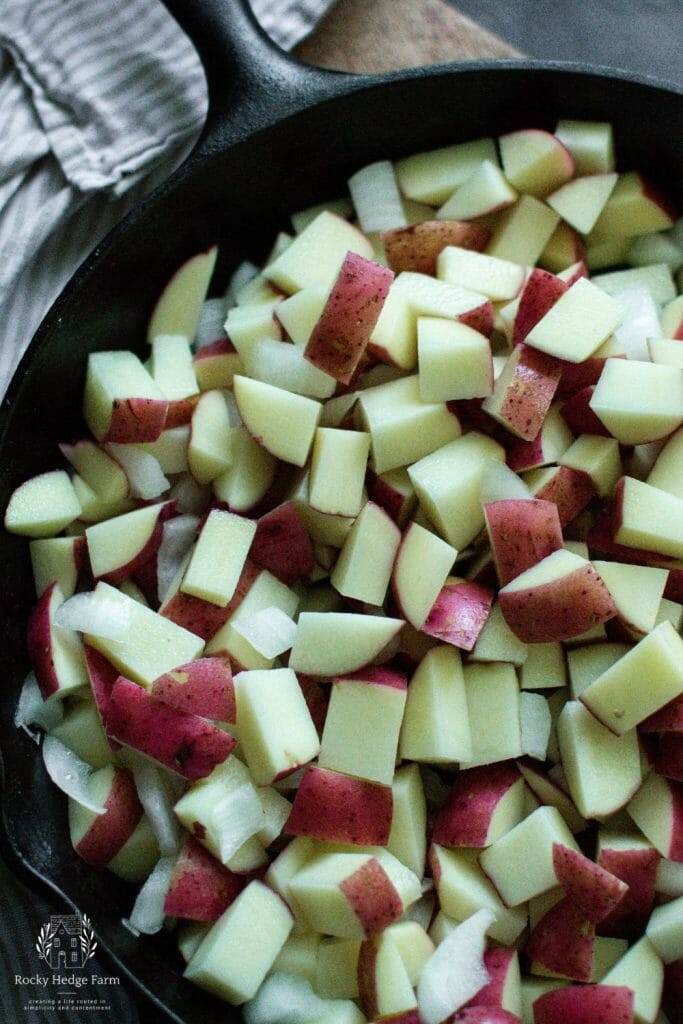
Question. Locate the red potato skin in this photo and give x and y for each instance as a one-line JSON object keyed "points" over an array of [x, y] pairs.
{"points": [[341, 335], [396, 505], [540, 293], [180, 412], [367, 966], [465, 818], [373, 898], [522, 532], [521, 455], [675, 851], [201, 617], [338, 808], [592, 1004], [569, 489], [459, 613], [600, 539], [216, 364], [563, 941], [186, 744], [530, 392], [498, 963], [479, 318], [673, 991], [317, 699], [667, 719], [417, 246], [669, 757], [559, 610], [578, 415], [595, 891], [102, 676], [376, 675], [39, 644], [201, 887], [146, 557], [136, 419], [638, 868], [203, 687], [282, 545], [577, 376], [111, 830]]}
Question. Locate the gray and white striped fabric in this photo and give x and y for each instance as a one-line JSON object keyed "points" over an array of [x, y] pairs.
{"points": [[99, 101]]}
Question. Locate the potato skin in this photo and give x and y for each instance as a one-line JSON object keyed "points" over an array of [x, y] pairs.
{"points": [[540, 293], [201, 887], [341, 335], [559, 610], [338, 808], [522, 532], [417, 246]]}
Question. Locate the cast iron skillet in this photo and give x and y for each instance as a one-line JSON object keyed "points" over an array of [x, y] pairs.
{"points": [[279, 137]]}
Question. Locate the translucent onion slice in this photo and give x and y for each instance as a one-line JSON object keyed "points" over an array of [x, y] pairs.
{"points": [[33, 710], [455, 971], [499, 483], [145, 475], [147, 915], [289, 999], [69, 773], [271, 632], [211, 322], [376, 197], [157, 801], [178, 536], [639, 321], [189, 496], [236, 818], [94, 613]]}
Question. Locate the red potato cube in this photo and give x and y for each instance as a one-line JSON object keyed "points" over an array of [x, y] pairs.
{"points": [[186, 744], [557, 599], [577, 376], [203, 687], [337, 808], [102, 676], [200, 617], [669, 757], [547, 447], [657, 809], [667, 719], [393, 492], [121, 401], [417, 246], [216, 364], [523, 392], [459, 613], [201, 888], [503, 970], [126, 545], [637, 867], [570, 489], [579, 416], [483, 804], [317, 699], [56, 654], [594, 890], [109, 832], [541, 291], [522, 532], [282, 544], [597, 1004], [342, 333], [600, 539], [563, 941]]}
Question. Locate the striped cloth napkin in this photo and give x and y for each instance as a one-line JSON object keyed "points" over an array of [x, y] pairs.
{"points": [[99, 101]]}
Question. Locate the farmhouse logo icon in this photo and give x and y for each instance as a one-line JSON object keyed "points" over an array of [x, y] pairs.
{"points": [[68, 941]]}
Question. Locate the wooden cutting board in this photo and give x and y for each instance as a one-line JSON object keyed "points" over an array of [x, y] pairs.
{"points": [[382, 35]]}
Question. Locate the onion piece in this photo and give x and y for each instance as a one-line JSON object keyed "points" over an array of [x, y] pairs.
{"points": [[211, 326], [95, 613], [177, 537], [289, 999], [33, 710], [500, 483], [145, 475], [270, 632], [455, 971], [69, 773], [376, 197], [243, 273], [189, 496], [158, 804], [536, 723], [147, 915], [639, 321], [236, 818]]}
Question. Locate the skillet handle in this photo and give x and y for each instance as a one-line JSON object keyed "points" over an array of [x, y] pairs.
{"points": [[252, 82]]}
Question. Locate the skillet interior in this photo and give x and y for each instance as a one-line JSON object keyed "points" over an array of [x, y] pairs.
{"points": [[239, 197]]}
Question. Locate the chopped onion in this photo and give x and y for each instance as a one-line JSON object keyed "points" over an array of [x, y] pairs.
{"points": [[455, 971], [500, 483], [177, 537], [33, 710], [147, 915], [69, 773], [639, 321], [189, 496], [536, 723], [145, 475], [376, 197], [158, 804], [95, 613], [270, 632], [244, 273], [211, 326], [290, 999], [236, 818], [422, 912]]}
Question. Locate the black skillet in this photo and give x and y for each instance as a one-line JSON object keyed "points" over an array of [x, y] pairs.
{"points": [[280, 136]]}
